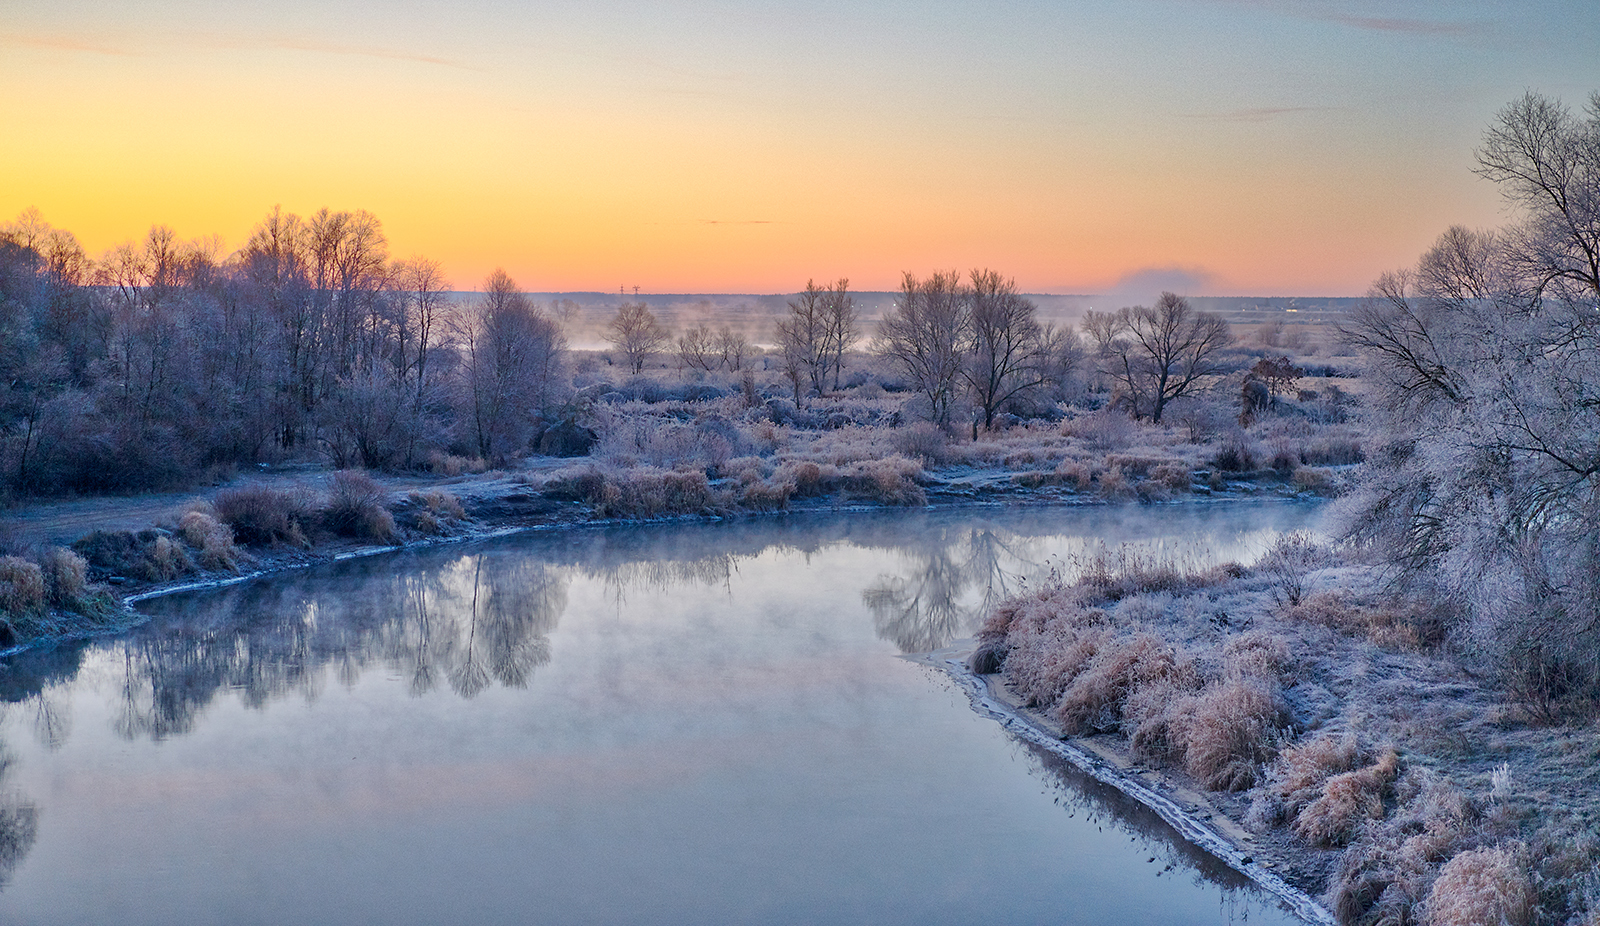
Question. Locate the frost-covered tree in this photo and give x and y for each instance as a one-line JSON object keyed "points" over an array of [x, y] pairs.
{"points": [[925, 337], [1159, 353], [1011, 352], [1483, 478], [635, 332]]}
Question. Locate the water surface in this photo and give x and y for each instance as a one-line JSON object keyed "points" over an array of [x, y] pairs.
{"points": [[701, 723]]}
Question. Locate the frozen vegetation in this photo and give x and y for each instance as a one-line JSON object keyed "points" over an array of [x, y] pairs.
{"points": [[1406, 720], [1403, 714]]}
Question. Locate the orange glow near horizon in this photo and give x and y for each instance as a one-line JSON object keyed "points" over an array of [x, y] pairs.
{"points": [[703, 156]]}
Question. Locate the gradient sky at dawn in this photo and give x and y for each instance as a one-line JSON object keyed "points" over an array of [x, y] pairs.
{"points": [[1209, 146]]}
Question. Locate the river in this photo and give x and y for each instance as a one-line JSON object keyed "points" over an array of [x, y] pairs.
{"points": [[662, 724]]}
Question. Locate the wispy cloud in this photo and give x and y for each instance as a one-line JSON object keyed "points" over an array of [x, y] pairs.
{"points": [[1256, 113], [153, 46], [737, 222], [1405, 24], [334, 48], [57, 43]]}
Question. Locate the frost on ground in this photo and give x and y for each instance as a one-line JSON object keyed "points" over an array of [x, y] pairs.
{"points": [[1371, 759]]}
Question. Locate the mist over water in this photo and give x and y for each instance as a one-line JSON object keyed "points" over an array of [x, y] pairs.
{"points": [[665, 724]]}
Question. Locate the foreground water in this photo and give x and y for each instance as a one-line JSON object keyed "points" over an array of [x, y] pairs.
{"points": [[652, 725]]}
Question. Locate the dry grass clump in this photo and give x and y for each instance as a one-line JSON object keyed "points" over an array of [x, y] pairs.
{"points": [[150, 555], [1313, 479], [922, 440], [1303, 768], [1220, 731], [1175, 476], [1125, 572], [22, 587], [1348, 801], [432, 512], [1228, 730], [263, 516], [807, 477], [1482, 887], [1394, 625], [1384, 875], [212, 539], [66, 579], [1095, 699], [448, 464], [355, 507], [650, 493], [889, 481]]}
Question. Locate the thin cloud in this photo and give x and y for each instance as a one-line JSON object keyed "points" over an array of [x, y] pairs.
{"points": [[329, 48], [1256, 114], [56, 43], [1404, 24], [737, 222]]}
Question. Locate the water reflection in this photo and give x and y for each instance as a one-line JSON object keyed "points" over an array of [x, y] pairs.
{"points": [[721, 696], [445, 619], [929, 603], [19, 821]]}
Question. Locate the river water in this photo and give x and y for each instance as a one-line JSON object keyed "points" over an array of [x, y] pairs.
{"points": [[705, 723]]}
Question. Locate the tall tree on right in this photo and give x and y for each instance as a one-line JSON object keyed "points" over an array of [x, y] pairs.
{"points": [[1482, 485]]}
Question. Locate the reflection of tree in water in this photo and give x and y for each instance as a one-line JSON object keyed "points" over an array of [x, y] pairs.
{"points": [[19, 820], [471, 622], [922, 608]]}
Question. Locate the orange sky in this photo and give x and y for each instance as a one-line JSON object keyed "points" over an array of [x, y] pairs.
{"points": [[1289, 148]]}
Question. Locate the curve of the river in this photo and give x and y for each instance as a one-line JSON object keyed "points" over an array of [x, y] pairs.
{"points": [[703, 723]]}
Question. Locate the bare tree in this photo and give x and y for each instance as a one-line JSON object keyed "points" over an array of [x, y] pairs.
{"points": [[635, 332], [803, 337], [1547, 162], [839, 315], [697, 347], [925, 336], [1011, 352], [512, 354], [1165, 352], [733, 347]]}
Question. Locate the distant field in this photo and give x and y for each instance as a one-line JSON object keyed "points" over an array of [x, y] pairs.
{"points": [[585, 314]]}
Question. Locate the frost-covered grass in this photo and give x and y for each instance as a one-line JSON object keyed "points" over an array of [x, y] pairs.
{"points": [[1346, 730]]}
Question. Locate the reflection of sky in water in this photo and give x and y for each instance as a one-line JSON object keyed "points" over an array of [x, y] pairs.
{"points": [[693, 723]]}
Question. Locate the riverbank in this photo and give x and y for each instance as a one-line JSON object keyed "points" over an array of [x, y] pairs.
{"points": [[1187, 810], [137, 547], [1311, 727]]}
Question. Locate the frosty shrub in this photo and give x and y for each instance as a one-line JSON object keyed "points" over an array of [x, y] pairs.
{"points": [[150, 555], [1288, 564], [259, 515], [212, 539], [66, 577], [1482, 887], [1482, 476], [1228, 730], [1348, 800], [22, 587], [922, 440], [355, 507]]}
